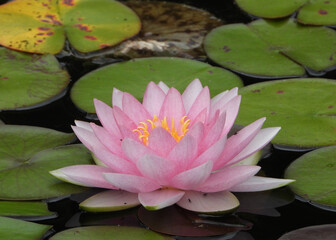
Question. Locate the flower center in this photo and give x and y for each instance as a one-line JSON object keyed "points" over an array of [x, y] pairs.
{"points": [[177, 130]]}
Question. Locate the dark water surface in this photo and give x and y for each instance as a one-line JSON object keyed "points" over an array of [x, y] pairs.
{"points": [[60, 115]]}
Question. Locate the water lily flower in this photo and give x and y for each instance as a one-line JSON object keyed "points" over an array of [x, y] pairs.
{"points": [[171, 148]]}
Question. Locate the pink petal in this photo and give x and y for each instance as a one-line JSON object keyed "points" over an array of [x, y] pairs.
{"points": [[184, 152], [231, 109], [160, 141], [227, 178], [263, 137], [116, 163], [134, 150], [163, 87], [131, 183], [117, 98], [82, 124], [88, 138], [214, 133], [190, 93], [220, 100], [84, 175], [197, 132], [109, 141], [255, 184], [219, 202], [159, 169], [192, 178], [236, 143], [211, 154], [202, 102], [123, 120], [172, 106], [134, 109], [160, 198], [153, 99], [106, 117], [110, 200], [201, 117]]}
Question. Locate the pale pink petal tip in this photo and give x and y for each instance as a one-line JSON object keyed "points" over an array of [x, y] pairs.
{"points": [[160, 198], [163, 87], [214, 203], [111, 200], [117, 98], [256, 184], [82, 124]]}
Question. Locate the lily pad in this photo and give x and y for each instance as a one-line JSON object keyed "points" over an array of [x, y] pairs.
{"points": [[177, 221], [133, 77], [29, 80], [28, 154], [304, 108], [105, 232], [168, 29], [272, 48], [31, 210], [14, 229], [315, 177], [41, 26], [316, 12], [325, 232]]}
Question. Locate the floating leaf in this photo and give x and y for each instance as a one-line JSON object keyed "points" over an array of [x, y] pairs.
{"points": [[325, 232], [168, 29], [272, 48], [176, 221], [304, 108], [316, 12], [133, 77], [32, 210], [28, 80], [14, 229], [315, 176], [108, 232], [40, 26], [25, 165]]}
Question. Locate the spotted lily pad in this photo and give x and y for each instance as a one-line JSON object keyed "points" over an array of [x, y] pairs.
{"points": [[315, 177], [29, 80], [304, 108], [168, 29], [41, 26], [27, 155], [133, 77], [272, 48], [32, 210], [14, 229], [318, 12], [325, 232], [108, 232]]}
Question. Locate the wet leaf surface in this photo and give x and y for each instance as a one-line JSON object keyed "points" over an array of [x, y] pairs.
{"points": [[133, 77], [284, 103], [41, 26], [29, 80], [272, 48], [28, 154], [315, 177], [326, 232]]}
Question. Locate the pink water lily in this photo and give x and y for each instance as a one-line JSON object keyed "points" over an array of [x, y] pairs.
{"points": [[171, 148]]}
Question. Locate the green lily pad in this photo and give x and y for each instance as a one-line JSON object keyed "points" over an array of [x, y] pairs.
{"points": [[304, 108], [272, 48], [27, 155], [312, 12], [14, 229], [28, 80], [168, 29], [41, 26], [108, 232], [326, 232], [26, 209], [133, 77], [270, 8], [315, 176]]}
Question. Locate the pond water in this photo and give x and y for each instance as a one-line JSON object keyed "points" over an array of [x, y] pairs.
{"points": [[266, 225]]}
